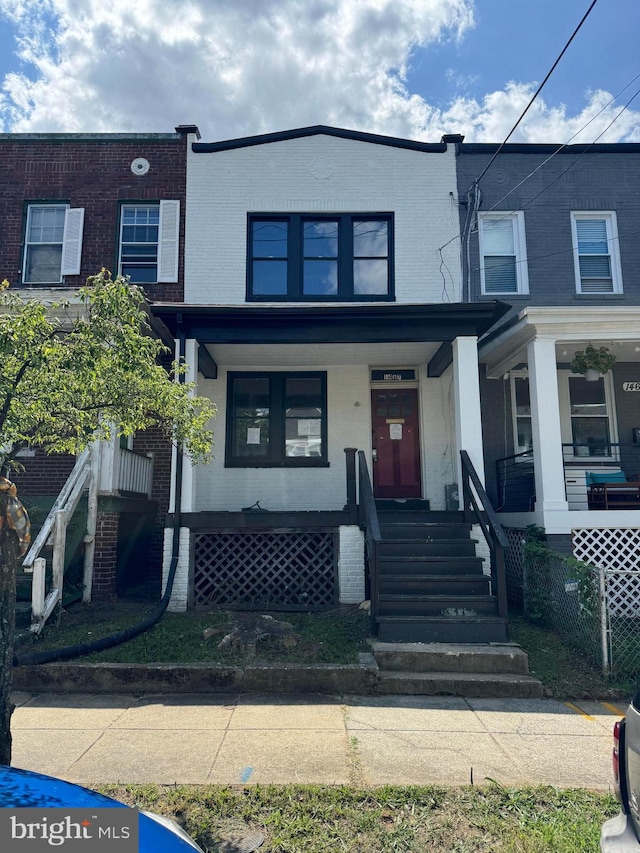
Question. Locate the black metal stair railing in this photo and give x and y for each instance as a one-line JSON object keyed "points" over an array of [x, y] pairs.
{"points": [[368, 521], [477, 507]]}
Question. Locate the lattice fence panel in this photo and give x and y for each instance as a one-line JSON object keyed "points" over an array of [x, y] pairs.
{"points": [[266, 570], [513, 566], [618, 551]]}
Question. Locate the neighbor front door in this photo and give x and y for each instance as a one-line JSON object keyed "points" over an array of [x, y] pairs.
{"points": [[396, 443]]}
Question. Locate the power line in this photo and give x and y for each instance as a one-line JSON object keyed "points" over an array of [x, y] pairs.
{"points": [[537, 92]]}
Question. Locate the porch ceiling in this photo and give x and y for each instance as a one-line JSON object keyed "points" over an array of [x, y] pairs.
{"points": [[304, 355]]}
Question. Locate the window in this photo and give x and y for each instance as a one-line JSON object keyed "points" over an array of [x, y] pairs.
{"points": [[521, 408], [503, 253], [590, 432], [53, 243], [595, 246], [149, 241], [276, 419], [344, 256]]}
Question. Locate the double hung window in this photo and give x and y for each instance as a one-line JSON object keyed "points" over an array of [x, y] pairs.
{"points": [[53, 243], [276, 419], [595, 246], [148, 246], [503, 253], [313, 257]]}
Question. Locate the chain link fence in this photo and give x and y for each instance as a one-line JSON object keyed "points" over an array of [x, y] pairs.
{"points": [[594, 609]]}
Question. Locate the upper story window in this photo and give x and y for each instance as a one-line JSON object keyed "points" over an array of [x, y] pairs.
{"points": [[53, 243], [276, 420], [503, 253], [342, 256], [595, 246], [148, 246]]}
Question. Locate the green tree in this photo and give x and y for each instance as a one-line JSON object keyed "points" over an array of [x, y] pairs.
{"points": [[73, 372]]}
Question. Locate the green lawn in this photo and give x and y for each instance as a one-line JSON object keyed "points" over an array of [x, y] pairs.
{"points": [[318, 819]]}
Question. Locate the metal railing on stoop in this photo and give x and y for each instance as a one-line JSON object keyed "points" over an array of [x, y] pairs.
{"points": [[85, 474]]}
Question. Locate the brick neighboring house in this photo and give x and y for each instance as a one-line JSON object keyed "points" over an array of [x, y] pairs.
{"points": [[71, 204]]}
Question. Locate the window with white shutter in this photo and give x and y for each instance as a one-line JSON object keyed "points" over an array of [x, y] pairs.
{"points": [[149, 241], [53, 243], [595, 246], [503, 255]]}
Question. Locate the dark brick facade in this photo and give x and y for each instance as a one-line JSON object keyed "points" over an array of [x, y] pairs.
{"points": [[92, 172]]}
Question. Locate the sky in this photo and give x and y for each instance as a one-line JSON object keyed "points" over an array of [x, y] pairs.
{"points": [[408, 68]]}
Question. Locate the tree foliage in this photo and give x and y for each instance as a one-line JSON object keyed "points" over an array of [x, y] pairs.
{"points": [[73, 371]]}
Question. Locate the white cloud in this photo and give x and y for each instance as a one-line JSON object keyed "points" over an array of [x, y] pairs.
{"points": [[238, 67]]}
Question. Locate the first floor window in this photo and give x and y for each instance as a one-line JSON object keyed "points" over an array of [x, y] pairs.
{"points": [[53, 243], [341, 256], [503, 253], [276, 419], [521, 405]]}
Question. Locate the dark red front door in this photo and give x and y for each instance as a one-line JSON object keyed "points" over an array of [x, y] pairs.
{"points": [[396, 443]]}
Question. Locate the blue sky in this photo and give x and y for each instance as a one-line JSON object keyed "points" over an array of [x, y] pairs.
{"points": [[413, 68]]}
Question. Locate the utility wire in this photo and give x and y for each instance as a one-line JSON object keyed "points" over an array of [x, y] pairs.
{"points": [[537, 92], [565, 144]]}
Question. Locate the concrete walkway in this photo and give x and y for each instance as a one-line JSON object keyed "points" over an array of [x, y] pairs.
{"points": [[244, 738]]}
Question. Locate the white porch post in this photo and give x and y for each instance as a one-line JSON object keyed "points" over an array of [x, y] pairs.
{"points": [[545, 422], [466, 387], [188, 471]]}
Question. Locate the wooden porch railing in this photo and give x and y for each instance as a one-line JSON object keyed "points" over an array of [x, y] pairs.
{"points": [[477, 507], [54, 529]]}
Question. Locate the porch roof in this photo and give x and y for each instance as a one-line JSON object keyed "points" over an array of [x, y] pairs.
{"points": [[330, 324], [571, 327]]}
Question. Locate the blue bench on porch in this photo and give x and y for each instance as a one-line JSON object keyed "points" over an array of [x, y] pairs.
{"points": [[612, 490]]}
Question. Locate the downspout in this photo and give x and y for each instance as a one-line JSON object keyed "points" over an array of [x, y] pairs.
{"points": [[81, 649]]}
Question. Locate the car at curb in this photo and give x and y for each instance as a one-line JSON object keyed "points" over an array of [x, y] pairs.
{"points": [[24, 789], [621, 834]]}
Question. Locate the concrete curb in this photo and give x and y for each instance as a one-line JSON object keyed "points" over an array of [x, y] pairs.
{"points": [[359, 678]]}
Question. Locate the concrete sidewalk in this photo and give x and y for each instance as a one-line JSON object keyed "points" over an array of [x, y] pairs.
{"points": [[244, 738]]}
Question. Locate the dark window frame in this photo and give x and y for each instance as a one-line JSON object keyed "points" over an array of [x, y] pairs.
{"points": [[277, 457], [295, 256]]}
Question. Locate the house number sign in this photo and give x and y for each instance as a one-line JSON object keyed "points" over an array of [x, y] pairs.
{"points": [[631, 386], [391, 375]]}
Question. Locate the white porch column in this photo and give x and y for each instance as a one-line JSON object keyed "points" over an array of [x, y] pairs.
{"points": [[545, 422], [188, 471], [466, 395]]}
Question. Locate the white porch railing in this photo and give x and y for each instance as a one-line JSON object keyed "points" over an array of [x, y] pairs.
{"points": [[85, 474]]}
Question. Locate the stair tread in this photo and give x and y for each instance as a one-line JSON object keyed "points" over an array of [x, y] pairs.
{"points": [[399, 596], [398, 576], [465, 558], [408, 541], [452, 620]]}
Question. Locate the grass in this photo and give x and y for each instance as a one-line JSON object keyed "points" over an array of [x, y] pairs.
{"points": [[334, 637], [565, 672], [315, 819]]}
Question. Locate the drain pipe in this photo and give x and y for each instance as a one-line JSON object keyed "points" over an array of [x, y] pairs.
{"points": [[81, 649]]}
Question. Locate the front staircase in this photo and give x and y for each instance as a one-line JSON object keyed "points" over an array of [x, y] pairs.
{"points": [[431, 585]]}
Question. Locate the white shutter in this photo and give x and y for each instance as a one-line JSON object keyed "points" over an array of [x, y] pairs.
{"points": [[72, 241], [168, 241]]}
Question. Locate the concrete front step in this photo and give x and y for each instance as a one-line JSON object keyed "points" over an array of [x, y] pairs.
{"points": [[478, 685], [472, 658], [441, 629]]}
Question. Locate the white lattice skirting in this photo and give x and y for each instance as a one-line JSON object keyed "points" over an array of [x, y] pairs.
{"points": [[618, 551]]}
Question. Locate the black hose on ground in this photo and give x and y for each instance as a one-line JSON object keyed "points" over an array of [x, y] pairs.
{"points": [[99, 645]]}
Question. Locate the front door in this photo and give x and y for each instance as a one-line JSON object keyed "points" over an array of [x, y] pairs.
{"points": [[396, 443]]}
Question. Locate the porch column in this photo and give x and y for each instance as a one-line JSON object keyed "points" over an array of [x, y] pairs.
{"points": [[545, 423], [466, 396], [188, 471]]}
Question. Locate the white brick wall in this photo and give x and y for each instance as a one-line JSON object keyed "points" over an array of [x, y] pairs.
{"points": [[351, 565], [222, 187], [180, 592]]}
